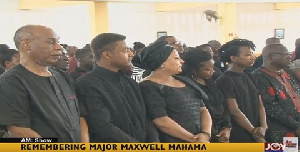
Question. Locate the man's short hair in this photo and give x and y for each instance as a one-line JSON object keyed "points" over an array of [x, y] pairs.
{"points": [[272, 40], [163, 38], [24, 32], [105, 42], [80, 53]]}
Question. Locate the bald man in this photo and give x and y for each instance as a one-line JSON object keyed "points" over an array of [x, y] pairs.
{"points": [[280, 94], [272, 40], [38, 101]]}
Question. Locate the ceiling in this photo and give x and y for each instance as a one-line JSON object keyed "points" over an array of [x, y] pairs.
{"points": [[200, 1]]}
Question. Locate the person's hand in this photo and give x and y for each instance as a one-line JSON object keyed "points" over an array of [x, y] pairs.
{"points": [[2, 132], [258, 132], [224, 134], [202, 138]]}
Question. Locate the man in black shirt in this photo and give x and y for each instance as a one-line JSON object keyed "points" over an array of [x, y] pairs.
{"points": [[110, 101], [85, 61], [36, 101]]}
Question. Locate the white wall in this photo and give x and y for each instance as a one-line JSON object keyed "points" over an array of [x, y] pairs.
{"points": [[71, 23], [257, 22], [141, 22]]}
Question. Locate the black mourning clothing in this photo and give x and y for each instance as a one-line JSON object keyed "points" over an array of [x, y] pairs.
{"points": [[180, 104], [241, 86], [216, 106], [113, 107], [47, 105]]}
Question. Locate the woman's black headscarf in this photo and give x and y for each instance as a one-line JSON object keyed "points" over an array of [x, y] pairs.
{"points": [[153, 56]]}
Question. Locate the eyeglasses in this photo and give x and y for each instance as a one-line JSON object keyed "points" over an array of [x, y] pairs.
{"points": [[175, 43]]}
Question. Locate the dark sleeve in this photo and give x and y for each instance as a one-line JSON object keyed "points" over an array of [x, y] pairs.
{"points": [[14, 104], [226, 121], [152, 134], [227, 87], [154, 102], [98, 116], [272, 107]]}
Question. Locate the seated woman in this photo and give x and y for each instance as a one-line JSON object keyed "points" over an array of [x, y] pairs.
{"points": [[199, 66], [173, 103], [243, 101]]}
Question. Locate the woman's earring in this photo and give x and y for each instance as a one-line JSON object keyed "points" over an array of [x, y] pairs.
{"points": [[163, 68]]}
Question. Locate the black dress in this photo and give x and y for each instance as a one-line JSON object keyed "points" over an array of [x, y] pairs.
{"points": [[216, 106], [180, 104], [241, 86]]}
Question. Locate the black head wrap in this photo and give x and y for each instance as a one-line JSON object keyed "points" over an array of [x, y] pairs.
{"points": [[153, 56]]}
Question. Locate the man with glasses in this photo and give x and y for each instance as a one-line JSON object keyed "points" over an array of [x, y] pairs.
{"points": [[280, 94]]}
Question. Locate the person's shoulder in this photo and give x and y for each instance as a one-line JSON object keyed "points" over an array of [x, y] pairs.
{"points": [[257, 71], [17, 71], [88, 78], [223, 77], [295, 64]]}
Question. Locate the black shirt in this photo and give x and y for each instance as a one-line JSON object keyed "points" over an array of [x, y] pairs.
{"points": [[47, 105], [217, 73], [2, 70], [219, 64], [241, 86], [77, 73], [180, 104], [216, 106], [113, 107]]}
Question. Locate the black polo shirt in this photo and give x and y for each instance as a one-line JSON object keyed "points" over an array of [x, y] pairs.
{"points": [[113, 107], [47, 105]]}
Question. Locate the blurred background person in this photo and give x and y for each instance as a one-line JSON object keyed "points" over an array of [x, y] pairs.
{"points": [[63, 62], [85, 62], [9, 58]]}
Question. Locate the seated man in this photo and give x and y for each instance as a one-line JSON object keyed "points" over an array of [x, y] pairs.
{"points": [[280, 94]]}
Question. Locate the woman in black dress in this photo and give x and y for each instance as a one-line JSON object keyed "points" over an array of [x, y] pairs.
{"points": [[199, 66], [248, 117], [173, 103]]}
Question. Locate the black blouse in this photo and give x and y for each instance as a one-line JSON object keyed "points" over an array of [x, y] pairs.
{"points": [[180, 104], [216, 106], [241, 87]]}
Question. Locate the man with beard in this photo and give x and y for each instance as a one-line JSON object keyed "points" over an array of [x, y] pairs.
{"points": [[110, 101], [280, 94]]}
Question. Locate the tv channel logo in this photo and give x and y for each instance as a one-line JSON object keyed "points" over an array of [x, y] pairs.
{"points": [[274, 147], [291, 144]]}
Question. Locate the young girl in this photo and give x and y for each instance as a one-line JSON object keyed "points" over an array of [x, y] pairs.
{"points": [[242, 98]]}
